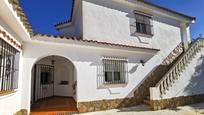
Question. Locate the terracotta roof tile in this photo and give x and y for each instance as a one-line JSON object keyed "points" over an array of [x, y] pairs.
{"points": [[67, 21], [93, 41], [21, 15], [10, 39]]}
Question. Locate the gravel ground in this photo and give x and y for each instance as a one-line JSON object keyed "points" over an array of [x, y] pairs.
{"points": [[195, 109]]}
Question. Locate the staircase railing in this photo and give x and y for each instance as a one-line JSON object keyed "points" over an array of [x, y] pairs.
{"points": [[174, 72], [156, 74]]}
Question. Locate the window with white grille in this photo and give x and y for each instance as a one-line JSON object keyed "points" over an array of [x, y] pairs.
{"points": [[115, 70], [9, 61]]}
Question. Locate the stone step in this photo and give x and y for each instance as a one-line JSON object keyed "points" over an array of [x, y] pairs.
{"points": [[54, 113], [68, 113], [147, 102]]}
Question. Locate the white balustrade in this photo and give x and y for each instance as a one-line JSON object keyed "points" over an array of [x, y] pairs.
{"points": [[174, 72]]}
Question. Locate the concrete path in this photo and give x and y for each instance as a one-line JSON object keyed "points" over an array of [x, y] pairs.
{"points": [[195, 109]]}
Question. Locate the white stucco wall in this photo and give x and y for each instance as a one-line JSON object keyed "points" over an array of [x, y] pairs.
{"points": [[10, 104], [64, 71], [191, 80], [110, 25], [111, 21], [86, 61], [102, 21], [7, 107], [11, 24]]}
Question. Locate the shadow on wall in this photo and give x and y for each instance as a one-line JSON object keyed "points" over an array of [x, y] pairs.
{"points": [[195, 87], [98, 64], [197, 81], [100, 74]]}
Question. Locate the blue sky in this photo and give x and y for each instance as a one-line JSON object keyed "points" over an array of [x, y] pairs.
{"points": [[43, 14], [189, 7]]}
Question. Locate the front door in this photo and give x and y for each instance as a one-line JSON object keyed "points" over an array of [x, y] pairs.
{"points": [[43, 81]]}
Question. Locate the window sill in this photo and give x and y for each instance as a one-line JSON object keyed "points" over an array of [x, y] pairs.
{"points": [[4, 93], [143, 35], [113, 85]]}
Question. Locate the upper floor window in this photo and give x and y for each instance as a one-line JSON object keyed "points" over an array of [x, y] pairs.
{"points": [[115, 71], [143, 23]]}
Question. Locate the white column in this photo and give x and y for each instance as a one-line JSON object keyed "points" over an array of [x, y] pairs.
{"points": [[185, 33]]}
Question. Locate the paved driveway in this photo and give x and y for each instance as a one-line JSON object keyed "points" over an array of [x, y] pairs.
{"points": [[196, 109]]}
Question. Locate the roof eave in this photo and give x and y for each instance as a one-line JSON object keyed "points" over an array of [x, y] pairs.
{"points": [[61, 24], [19, 11], [192, 19], [78, 39], [64, 25]]}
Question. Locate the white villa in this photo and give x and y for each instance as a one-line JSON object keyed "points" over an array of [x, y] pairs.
{"points": [[110, 54]]}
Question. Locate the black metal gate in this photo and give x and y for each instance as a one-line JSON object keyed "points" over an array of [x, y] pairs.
{"points": [[43, 81]]}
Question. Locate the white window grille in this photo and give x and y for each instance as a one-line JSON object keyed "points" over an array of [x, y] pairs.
{"points": [[8, 67], [115, 70]]}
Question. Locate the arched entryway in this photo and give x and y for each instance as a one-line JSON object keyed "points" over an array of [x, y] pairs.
{"points": [[53, 86]]}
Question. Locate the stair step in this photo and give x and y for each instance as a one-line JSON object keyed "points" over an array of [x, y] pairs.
{"points": [[68, 113], [147, 102]]}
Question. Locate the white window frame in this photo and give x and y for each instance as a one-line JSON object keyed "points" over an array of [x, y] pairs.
{"points": [[147, 25], [115, 65]]}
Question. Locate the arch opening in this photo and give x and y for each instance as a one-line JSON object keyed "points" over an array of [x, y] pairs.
{"points": [[53, 85]]}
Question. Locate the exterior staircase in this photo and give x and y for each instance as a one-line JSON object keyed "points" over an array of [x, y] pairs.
{"points": [[174, 70], [142, 93], [177, 68]]}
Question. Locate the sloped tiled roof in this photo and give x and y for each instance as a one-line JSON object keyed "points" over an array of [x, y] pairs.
{"points": [[69, 20], [93, 41], [10, 39], [21, 15]]}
